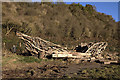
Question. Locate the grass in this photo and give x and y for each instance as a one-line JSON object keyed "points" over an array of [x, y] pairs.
{"points": [[29, 59], [13, 58], [5, 60], [111, 71], [108, 71]]}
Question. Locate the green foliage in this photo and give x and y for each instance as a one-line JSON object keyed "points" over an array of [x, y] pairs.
{"points": [[59, 23], [29, 59], [105, 72], [89, 8]]}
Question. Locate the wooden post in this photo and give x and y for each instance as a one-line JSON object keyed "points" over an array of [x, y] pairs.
{"points": [[20, 44], [39, 55], [4, 45]]}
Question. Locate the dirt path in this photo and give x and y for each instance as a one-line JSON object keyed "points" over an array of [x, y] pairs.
{"points": [[46, 69], [16, 66]]}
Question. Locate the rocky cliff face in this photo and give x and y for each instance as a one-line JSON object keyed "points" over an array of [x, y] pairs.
{"points": [[64, 24]]}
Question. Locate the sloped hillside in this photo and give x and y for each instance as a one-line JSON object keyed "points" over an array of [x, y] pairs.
{"points": [[64, 24]]}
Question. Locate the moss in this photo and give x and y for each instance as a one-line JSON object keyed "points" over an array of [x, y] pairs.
{"points": [[29, 59]]}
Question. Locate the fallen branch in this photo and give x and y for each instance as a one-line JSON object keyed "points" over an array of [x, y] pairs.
{"points": [[9, 31]]}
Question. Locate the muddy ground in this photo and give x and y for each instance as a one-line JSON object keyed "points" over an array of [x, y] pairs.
{"points": [[49, 69], [55, 68]]}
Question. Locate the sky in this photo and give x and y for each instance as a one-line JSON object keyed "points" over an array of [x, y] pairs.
{"points": [[109, 8]]}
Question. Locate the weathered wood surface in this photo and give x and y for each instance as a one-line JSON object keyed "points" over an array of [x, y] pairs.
{"points": [[108, 61], [37, 45], [42, 47], [97, 48]]}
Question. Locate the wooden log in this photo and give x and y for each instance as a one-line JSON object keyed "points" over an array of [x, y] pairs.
{"points": [[37, 44], [107, 62]]}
